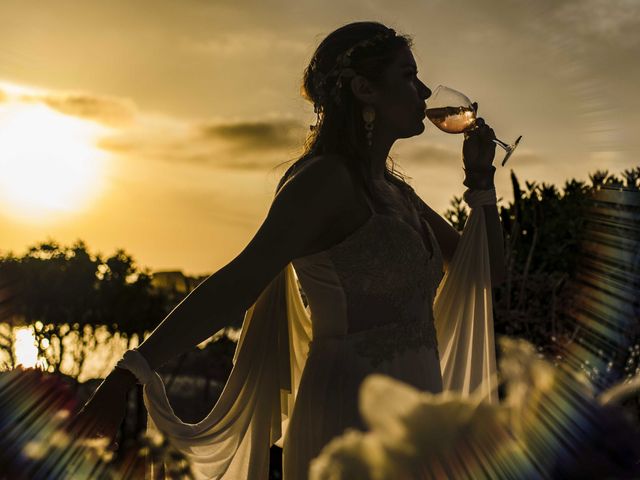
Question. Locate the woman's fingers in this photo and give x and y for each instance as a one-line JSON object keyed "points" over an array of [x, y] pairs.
{"points": [[478, 149], [481, 124], [483, 130]]}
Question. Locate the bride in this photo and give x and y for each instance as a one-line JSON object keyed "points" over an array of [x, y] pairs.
{"points": [[391, 286]]}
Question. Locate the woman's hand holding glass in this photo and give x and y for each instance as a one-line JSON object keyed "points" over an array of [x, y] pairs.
{"points": [[479, 149]]}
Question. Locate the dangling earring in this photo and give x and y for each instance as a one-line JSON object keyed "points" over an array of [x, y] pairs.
{"points": [[316, 109], [369, 115]]}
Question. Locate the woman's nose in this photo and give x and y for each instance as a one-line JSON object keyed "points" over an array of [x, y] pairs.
{"points": [[426, 91]]}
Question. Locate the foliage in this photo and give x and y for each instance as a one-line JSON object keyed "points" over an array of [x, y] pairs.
{"points": [[544, 231], [65, 291]]}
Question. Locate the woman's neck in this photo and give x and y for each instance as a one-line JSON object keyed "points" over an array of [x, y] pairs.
{"points": [[379, 152]]}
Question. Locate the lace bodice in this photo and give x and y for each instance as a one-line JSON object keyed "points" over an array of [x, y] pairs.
{"points": [[375, 288]]}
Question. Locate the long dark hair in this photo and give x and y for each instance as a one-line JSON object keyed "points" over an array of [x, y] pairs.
{"points": [[340, 128]]}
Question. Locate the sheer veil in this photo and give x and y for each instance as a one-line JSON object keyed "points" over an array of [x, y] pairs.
{"points": [[463, 310], [255, 406]]}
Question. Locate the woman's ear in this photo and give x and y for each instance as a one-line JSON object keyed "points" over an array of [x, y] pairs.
{"points": [[362, 89]]}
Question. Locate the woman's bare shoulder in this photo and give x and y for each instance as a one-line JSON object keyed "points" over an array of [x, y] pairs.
{"points": [[325, 186], [312, 201], [307, 206], [322, 163], [329, 173]]}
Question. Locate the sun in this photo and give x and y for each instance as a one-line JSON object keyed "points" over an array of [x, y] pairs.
{"points": [[24, 348], [49, 164]]}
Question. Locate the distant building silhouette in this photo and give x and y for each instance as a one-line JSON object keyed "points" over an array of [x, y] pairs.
{"points": [[174, 282]]}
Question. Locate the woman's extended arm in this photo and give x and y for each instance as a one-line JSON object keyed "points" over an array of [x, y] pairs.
{"points": [[319, 192], [211, 306], [303, 209], [219, 301]]}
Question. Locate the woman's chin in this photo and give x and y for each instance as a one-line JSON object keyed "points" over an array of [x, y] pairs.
{"points": [[414, 130], [421, 128]]}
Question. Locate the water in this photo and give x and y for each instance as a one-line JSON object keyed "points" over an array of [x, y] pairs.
{"points": [[99, 359]]}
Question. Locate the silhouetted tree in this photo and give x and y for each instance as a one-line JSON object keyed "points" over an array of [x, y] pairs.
{"points": [[545, 231], [65, 292]]}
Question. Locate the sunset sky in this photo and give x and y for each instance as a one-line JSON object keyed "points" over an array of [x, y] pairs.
{"points": [[155, 126]]}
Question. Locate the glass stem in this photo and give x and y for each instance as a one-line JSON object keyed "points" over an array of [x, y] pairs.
{"points": [[502, 144]]}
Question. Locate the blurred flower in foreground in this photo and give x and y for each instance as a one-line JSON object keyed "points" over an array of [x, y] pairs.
{"points": [[548, 426]]}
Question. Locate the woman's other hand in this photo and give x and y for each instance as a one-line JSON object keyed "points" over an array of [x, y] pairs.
{"points": [[478, 149], [105, 410]]}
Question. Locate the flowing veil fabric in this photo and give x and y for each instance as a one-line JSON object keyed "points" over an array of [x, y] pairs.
{"points": [[253, 410], [463, 310], [255, 406]]}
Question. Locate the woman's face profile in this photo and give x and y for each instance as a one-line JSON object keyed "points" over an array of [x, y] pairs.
{"points": [[402, 95]]}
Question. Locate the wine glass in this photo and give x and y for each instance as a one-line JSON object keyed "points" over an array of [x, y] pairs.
{"points": [[452, 112]]}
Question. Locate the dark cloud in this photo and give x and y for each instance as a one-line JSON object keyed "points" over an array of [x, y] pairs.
{"points": [[255, 135], [110, 111], [158, 148], [246, 145]]}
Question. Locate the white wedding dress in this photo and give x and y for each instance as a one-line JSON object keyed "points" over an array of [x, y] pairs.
{"points": [[378, 302]]}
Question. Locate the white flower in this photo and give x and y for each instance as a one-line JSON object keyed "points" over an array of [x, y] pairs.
{"points": [[550, 425], [353, 455], [416, 434]]}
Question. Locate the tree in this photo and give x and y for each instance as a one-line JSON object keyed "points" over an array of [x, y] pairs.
{"points": [[550, 238], [65, 294]]}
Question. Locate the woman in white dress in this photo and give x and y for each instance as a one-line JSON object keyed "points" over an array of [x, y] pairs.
{"points": [[371, 257]]}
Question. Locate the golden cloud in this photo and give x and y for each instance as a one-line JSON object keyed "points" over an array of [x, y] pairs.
{"points": [[111, 111]]}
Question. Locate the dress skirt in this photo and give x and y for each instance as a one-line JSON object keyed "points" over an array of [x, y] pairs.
{"points": [[327, 401]]}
